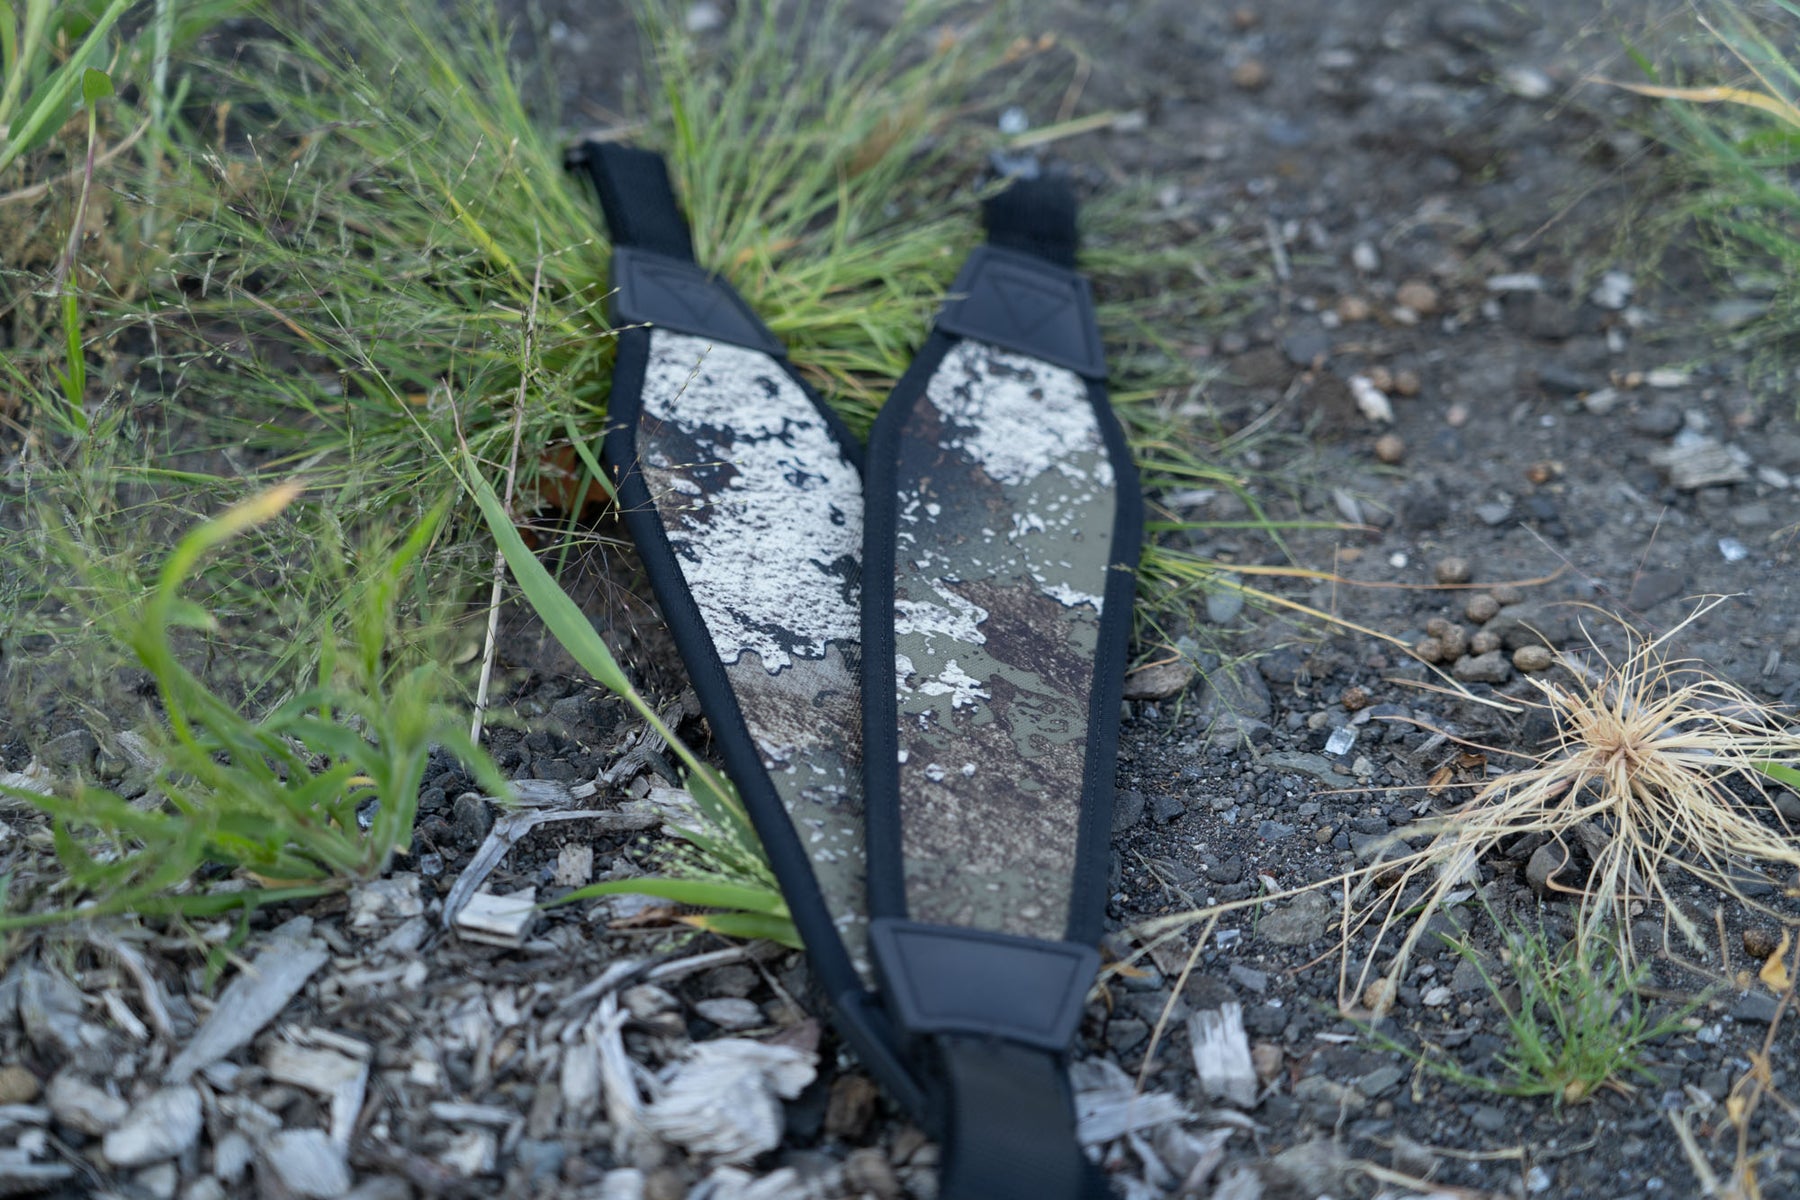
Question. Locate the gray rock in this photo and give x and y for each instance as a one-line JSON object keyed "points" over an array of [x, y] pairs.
{"points": [[80, 1105], [1300, 922], [1494, 513], [1317, 766], [1159, 681], [1249, 978], [1755, 1007], [1547, 863], [1736, 313], [471, 818], [1652, 587], [72, 751], [1381, 1080], [1660, 418], [1492, 667], [732, 1013], [1534, 623], [309, 1163], [1166, 808], [1224, 605], [1128, 810], [1305, 347], [161, 1127]]}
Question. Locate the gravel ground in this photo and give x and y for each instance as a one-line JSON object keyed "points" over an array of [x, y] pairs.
{"points": [[1439, 200]]}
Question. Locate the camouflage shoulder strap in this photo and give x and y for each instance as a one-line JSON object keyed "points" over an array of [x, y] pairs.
{"points": [[743, 494], [1002, 528]]}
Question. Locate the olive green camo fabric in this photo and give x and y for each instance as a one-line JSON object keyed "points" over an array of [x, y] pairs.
{"points": [[1005, 505], [765, 515]]}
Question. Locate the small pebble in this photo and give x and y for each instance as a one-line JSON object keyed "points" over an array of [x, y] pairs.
{"points": [[1430, 649], [1378, 997], [1407, 382], [1250, 75], [1245, 18], [1390, 448], [1452, 569], [1381, 377], [1352, 309], [1534, 658], [1418, 295], [1365, 258], [1491, 667], [1759, 943], [1507, 593], [17, 1085], [1455, 641], [1456, 416], [1481, 608], [1484, 642]]}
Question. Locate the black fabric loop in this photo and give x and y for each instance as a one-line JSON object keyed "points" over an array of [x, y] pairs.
{"points": [[1036, 217], [637, 199], [1010, 1125]]}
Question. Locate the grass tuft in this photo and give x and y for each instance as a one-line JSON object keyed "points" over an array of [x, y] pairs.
{"points": [[1658, 772], [1575, 1024]]}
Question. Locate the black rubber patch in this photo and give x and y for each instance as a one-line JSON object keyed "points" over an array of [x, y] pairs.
{"points": [[1021, 303], [943, 979], [655, 289]]}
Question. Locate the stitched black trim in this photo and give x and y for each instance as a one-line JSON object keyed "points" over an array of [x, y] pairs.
{"points": [[1087, 891], [881, 734], [862, 1026]]}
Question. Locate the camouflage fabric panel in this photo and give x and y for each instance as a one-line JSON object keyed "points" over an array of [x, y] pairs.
{"points": [[1004, 529], [764, 515]]}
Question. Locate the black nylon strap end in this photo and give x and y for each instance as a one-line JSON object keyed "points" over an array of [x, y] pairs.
{"points": [[1010, 1131], [637, 198], [1035, 217]]}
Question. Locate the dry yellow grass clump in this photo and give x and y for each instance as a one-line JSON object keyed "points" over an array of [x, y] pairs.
{"points": [[1658, 771]]}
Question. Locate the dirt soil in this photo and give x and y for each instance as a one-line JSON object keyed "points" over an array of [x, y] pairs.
{"points": [[1450, 218]]}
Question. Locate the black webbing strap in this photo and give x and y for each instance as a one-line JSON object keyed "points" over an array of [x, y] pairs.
{"points": [[636, 197], [997, 1013], [656, 279], [1010, 1129]]}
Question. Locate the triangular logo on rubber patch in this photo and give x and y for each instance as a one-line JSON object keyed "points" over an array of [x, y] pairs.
{"points": [[1028, 304], [675, 282]]}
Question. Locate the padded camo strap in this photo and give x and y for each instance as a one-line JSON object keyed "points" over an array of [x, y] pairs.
{"points": [[1002, 533], [743, 494]]}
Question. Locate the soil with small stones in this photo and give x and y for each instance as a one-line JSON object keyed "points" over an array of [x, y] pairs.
{"points": [[1439, 200]]}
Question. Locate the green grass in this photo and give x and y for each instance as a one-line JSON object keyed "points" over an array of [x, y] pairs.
{"points": [[1575, 1023], [359, 257], [1737, 138], [307, 798]]}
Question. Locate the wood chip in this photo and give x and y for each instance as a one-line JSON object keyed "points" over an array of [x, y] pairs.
{"points": [[254, 998], [1222, 1054], [498, 920]]}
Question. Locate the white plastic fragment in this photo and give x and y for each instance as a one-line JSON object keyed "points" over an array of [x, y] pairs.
{"points": [[724, 1100], [1222, 1054], [1371, 401], [1732, 550]]}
